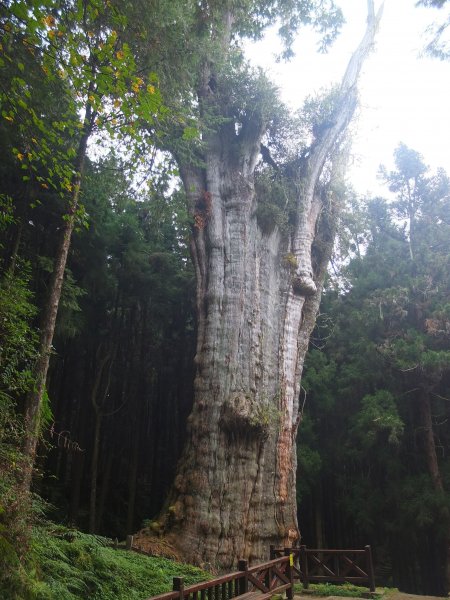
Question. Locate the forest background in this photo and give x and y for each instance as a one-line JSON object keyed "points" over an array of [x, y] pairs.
{"points": [[373, 437]]}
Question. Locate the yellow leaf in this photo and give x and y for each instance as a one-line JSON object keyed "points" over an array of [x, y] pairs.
{"points": [[20, 156], [151, 89], [120, 54], [49, 20], [8, 118], [44, 185]]}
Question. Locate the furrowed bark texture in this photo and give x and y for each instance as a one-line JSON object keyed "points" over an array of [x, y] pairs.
{"points": [[235, 489]]}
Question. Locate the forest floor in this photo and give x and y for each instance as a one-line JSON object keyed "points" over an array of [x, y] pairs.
{"points": [[403, 596]]}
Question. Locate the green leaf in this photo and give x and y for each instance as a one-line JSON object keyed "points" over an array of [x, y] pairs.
{"points": [[190, 133]]}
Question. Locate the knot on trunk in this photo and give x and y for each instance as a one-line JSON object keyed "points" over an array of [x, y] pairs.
{"points": [[303, 285], [243, 414]]}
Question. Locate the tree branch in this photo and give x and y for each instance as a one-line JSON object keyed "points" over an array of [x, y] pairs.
{"points": [[323, 147]]}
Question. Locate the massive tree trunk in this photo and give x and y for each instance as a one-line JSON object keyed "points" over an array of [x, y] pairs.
{"points": [[258, 292]]}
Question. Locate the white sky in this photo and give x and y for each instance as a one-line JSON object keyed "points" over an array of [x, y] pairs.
{"points": [[404, 97]]}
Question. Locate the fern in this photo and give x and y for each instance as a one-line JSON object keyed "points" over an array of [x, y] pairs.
{"points": [[70, 565]]}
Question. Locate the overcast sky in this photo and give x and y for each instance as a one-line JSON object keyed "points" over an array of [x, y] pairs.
{"points": [[404, 97]]}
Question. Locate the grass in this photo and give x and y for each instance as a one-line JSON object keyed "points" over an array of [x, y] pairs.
{"points": [[347, 590], [69, 565]]}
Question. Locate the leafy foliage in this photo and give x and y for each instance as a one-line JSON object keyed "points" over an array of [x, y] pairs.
{"points": [[79, 51], [17, 338], [254, 18], [18, 342]]}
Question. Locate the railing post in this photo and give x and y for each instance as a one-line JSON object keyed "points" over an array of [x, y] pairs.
{"points": [[369, 564], [290, 573], [272, 552], [178, 586], [243, 581], [304, 566], [129, 542]]}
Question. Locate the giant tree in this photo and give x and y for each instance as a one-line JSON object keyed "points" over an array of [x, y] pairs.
{"points": [[258, 289]]}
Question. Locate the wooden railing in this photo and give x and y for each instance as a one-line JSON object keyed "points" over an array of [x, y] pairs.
{"points": [[261, 581], [277, 576], [324, 565]]}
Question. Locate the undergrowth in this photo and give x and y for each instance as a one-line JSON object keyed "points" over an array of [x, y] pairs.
{"points": [[69, 565], [347, 590]]}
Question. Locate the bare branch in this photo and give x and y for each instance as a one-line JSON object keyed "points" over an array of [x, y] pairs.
{"points": [[324, 145]]}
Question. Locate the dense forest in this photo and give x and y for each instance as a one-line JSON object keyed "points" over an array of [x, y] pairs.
{"points": [[171, 337], [375, 431]]}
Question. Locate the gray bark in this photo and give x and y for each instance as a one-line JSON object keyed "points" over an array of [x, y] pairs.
{"points": [[235, 489]]}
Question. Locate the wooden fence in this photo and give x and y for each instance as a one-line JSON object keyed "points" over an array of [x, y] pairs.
{"points": [[324, 565], [261, 581], [277, 576]]}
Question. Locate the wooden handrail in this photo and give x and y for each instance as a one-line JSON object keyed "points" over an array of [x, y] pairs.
{"points": [[275, 577], [277, 574], [312, 565]]}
